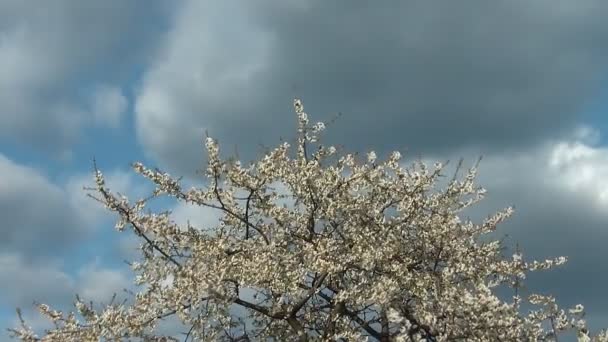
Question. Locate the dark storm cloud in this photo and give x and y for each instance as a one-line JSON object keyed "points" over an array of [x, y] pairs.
{"points": [[427, 75]]}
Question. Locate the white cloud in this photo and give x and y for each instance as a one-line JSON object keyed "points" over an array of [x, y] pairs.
{"points": [[583, 169], [574, 169], [575, 166], [99, 284], [199, 217]]}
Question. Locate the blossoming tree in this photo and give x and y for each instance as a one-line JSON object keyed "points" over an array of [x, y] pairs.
{"points": [[364, 251]]}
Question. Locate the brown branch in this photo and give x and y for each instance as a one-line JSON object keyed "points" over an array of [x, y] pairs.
{"points": [[416, 325], [226, 209], [384, 333], [299, 329], [311, 291], [247, 214], [263, 310], [354, 316], [330, 324], [126, 213]]}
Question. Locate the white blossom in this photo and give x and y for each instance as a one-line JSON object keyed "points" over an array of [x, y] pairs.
{"points": [[371, 157], [361, 253]]}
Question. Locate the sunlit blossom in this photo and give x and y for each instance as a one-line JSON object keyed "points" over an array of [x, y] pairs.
{"points": [[362, 252]]}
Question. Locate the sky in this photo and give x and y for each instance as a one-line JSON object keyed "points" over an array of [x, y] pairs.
{"points": [[523, 83]]}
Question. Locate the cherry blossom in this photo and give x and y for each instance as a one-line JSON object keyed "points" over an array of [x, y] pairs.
{"points": [[366, 250]]}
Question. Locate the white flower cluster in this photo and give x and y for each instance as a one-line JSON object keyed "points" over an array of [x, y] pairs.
{"points": [[365, 252]]}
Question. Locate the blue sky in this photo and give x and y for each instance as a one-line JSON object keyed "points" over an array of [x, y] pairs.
{"points": [[522, 83]]}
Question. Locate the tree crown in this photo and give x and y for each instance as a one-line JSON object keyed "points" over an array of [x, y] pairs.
{"points": [[319, 246]]}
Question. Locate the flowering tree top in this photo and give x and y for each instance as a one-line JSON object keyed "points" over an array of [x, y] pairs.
{"points": [[318, 246]]}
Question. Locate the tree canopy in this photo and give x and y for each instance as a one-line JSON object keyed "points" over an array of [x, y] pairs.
{"points": [[313, 244]]}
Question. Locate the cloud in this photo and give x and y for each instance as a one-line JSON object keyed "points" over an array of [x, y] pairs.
{"points": [[30, 282], [429, 76], [124, 182], [99, 284], [109, 105], [37, 218], [41, 218], [201, 69], [46, 282], [51, 54], [558, 189], [199, 217], [583, 169]]}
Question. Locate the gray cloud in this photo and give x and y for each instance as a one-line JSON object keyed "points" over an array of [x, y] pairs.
{"points": [[36, 216], [29, 282], [108, 105], [48, 53], [560, 194], [430, 76], [119, 181], [46, 282], [41, 218]]}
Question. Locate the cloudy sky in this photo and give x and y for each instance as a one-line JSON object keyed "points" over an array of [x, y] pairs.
{"points": [[522, 83]]}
